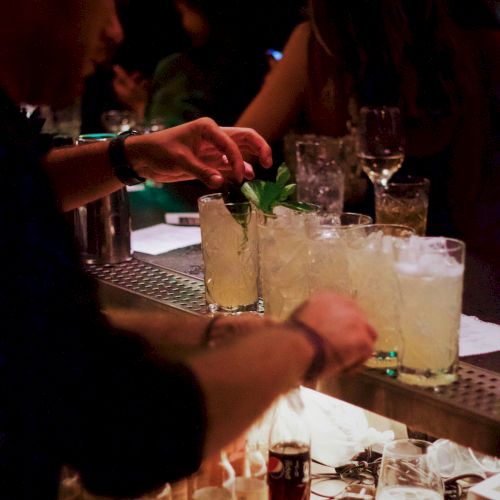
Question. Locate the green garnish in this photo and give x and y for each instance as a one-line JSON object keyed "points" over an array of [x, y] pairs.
{"points": [[266, 195]]}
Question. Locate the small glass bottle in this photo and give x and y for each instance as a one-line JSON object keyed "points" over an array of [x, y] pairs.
{"points": [[214, 480], [289, 463], [251, 470]]}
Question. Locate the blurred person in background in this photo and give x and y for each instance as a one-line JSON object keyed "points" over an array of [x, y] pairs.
{"points": [[439, 61], [150, 30], [216, 75], [129, 400], [222, 67]]}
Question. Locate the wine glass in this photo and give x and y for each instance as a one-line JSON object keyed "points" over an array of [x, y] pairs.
{"points": [[380, 143], [409, 472]]}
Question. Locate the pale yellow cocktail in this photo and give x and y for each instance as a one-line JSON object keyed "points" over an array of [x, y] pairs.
{"points": [[375, 288], [283, 260], [430, 274], [328, 252], [229, 244]]}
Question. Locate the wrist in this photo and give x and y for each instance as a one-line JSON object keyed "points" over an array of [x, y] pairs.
{"points": [[316, 342], [208, 339], [120, 160]]}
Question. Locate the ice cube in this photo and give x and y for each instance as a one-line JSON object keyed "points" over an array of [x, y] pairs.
{"points": [[374, 241], [434, 244], [281, 211]]}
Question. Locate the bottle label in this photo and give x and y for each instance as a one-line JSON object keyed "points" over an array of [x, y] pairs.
{"points": [[289, 471]]}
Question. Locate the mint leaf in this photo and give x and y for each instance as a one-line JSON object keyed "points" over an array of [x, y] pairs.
{"points": [[298, 205], [265, 195], [251, 190], [287, 192], [269, 196], [283, 175]]}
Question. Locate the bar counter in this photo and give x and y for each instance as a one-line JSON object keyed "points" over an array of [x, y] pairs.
{"points": [[467, 411]]}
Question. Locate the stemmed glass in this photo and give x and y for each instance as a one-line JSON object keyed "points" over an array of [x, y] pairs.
{"points": [[380, 143], [409, 471]]}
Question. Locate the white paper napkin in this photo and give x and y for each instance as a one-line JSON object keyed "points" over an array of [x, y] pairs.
{"points": [[162, 238]]}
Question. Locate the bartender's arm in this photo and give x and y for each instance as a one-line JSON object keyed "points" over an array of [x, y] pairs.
{"points": [[277, 354], [195, 150], [240, 380], [170, 336]]}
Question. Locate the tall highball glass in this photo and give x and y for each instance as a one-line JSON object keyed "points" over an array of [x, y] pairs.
{"points": [[430, 275], [328, 261], [229, 245], [374, 285], [283, 259]]}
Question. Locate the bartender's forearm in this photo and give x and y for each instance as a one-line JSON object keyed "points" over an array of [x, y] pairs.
{"points": [[80, 174], [166, 335], [241, 380]]}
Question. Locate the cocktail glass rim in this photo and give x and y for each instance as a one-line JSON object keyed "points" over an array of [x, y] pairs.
{"points": [[409, 180], [333, 224], [416, 442], [358, 227], [219, 196], [455, 244], [265, 215]]}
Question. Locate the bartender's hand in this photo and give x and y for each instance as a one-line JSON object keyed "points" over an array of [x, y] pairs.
{"points": [[198, 150], [340, 322]]}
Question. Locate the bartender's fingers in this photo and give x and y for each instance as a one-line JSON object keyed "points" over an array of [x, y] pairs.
{"points": [[209, 175], [248, 173], [211, 132], [251, 143]]}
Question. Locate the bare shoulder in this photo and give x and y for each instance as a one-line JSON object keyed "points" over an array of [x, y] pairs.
{"points": [[301, 33], [296, 48]]}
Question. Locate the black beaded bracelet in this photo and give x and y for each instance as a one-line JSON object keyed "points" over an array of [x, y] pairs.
{"points": [[318, 362], [118, 158], [207, 340]]}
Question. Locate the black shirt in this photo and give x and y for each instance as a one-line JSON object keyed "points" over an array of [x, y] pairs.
{"points": [[70, 390]]}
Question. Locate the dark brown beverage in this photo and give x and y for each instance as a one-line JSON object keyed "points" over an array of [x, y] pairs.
{"points": [[288, 474]]}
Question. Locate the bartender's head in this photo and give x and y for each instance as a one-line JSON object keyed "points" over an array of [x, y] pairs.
{"points": [[48, 46]]}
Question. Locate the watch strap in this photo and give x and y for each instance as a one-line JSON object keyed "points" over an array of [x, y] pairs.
{"points": [[119, 162]]}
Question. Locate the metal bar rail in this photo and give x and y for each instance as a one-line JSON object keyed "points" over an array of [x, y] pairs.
{"points": [[467, 411]]}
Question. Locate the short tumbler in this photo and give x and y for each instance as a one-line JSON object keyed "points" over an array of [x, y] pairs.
{"points": [[403, 201]]}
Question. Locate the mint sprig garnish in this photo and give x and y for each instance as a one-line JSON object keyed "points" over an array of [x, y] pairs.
{"points": [[266, 195]]}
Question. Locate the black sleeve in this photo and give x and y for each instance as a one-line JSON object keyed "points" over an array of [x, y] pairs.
{"points": [[134, 425], [76, 392]]}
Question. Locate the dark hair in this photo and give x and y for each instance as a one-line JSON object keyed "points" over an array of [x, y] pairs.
{"points": [[250, 22], [382, 43], [234, 58]]}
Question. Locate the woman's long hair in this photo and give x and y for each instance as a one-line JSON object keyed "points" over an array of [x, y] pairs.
{"points": [[399, 52]]}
